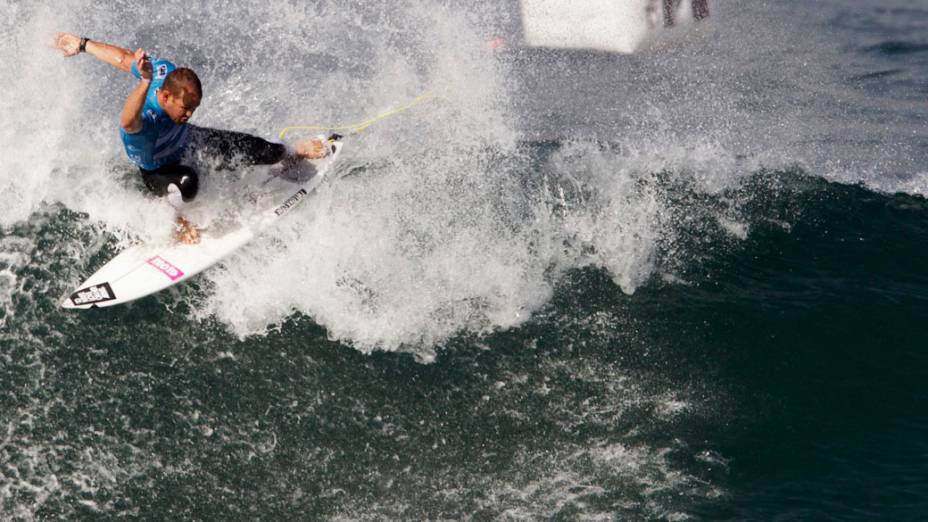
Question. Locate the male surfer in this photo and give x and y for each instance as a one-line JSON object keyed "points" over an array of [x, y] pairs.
{"points": [[155, 132], [700, 10]]}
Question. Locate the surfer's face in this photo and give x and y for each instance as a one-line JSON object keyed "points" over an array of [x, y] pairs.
{"points": [[178, 108]]}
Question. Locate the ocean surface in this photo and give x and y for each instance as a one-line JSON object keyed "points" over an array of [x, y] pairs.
{"points": [[686, 284]]}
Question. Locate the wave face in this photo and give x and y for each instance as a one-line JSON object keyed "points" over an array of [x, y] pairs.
{"points": [[684, 284]]}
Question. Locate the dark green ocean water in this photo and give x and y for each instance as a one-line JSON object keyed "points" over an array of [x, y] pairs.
{"points": [[786, 379]]}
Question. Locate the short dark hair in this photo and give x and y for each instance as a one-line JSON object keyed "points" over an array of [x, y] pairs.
{"points": [[183, 81]]}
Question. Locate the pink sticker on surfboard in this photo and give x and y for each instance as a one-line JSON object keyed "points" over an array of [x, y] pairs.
{"points": [[166, 268]]}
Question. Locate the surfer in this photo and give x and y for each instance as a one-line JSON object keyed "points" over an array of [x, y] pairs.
{"points": [[700, 10], [156, 134]]}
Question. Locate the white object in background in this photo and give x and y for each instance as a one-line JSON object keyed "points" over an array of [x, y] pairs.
{"points": [[608, 25]]}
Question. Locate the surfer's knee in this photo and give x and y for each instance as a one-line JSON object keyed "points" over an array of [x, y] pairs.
{"points": [[188, 185], [181, 180], [183, 187]]}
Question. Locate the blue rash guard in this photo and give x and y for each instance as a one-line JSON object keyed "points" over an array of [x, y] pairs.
{"points": [[160, 142]]}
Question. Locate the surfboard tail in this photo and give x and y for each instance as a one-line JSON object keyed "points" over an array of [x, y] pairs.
{"points": [[92, 296]]}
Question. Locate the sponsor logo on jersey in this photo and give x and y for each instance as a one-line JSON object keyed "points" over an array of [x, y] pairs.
{"points": [[166, 268], [93, 294], [292, 200]]}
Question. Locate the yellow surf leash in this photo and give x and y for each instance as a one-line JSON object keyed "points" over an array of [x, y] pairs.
{"points": [[359, 127]]}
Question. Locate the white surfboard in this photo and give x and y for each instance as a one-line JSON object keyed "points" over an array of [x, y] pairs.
{"points": [[144, 269]]}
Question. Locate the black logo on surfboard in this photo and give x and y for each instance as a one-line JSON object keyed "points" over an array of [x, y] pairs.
{"points": [[292, 200], [93, 294]]}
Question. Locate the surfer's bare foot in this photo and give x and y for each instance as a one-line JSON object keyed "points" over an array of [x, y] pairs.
{"points": [[185, 232], [311, 149]]}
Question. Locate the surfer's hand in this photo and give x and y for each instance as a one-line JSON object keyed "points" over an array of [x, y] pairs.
{"points": [[142, 63], [311, 149], [185, 232], [67, 43]]}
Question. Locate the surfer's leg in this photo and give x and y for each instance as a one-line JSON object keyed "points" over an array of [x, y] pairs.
{"points": [[670, 10], [179, 182], [236, 148], [700, 9]]}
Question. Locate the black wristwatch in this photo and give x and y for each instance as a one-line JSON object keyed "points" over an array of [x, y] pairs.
{"points": [[82, 48]]}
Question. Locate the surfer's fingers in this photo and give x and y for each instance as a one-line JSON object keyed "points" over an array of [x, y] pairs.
{"points": [[67, 43], [319, 149], [142, 62]]}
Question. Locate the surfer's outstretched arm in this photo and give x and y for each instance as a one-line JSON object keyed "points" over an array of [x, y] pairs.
{"points": [[72, 45], [131, 118]]}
